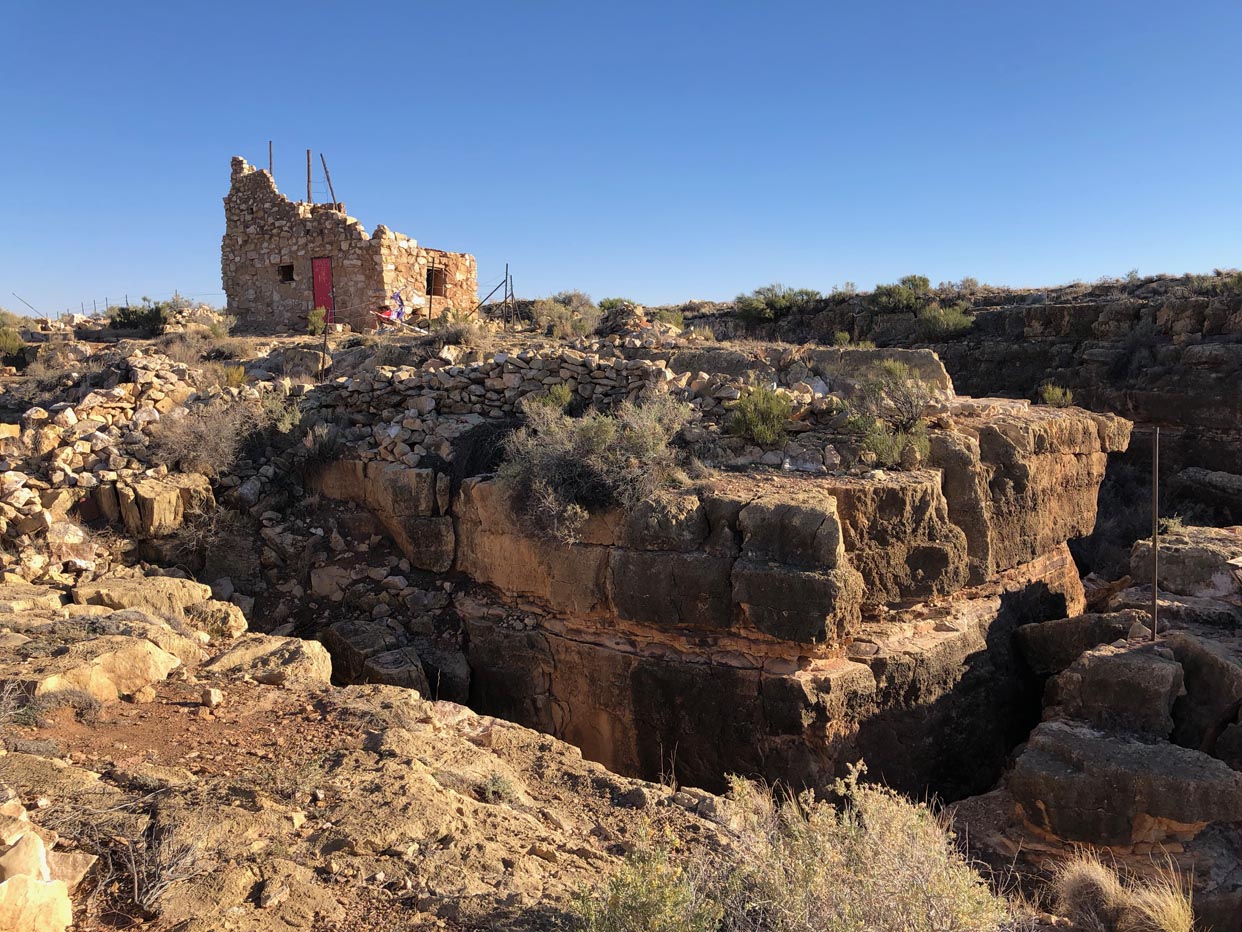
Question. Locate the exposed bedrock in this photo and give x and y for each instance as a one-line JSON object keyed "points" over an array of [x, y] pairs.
{"points": [[767, 622]]}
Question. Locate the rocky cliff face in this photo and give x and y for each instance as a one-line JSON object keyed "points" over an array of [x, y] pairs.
{"points": [[774, 622], [1163, 352], [1140, 746]]}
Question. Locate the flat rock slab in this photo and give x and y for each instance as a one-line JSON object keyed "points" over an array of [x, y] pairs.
{"points": [[168, 596], [1080, 784]]}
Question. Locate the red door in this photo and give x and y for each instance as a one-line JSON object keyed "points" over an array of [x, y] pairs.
{"points": [[321, 279]]}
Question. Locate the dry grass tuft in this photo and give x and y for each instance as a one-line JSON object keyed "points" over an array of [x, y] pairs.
{"points": [[1096, 898]]}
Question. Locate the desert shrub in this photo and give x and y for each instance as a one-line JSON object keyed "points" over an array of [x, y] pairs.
{"points": [[1055, 395], [472, 334], [1137, 352], [37, 711], [219, 329], [564, 320], [187, 347], [1093, 896], [317, 321], [607, 305], [149, 318], [894, 448], [233, 376], [652, 892], [11, 342], [879, 864], [557, 397], [320, 446], [772, 302], [229, 348], [578, 301], [899, 298], [840, 338], [498, 788], [206, 439], [669, 315], [896, 396], [563, 468], [919, 284], [700, 332], [936, 322], [843, 292], [760, 416], [1173, 524]]}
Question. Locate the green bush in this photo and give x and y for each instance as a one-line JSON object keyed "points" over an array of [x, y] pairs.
{"points": [[150, 318], [11, 342], [1055, 395], [936, 322], [317, 321], [894, 299], [670, 315], [607, 305], [557, 397], [772, 302], [841, 338], [564, 468], [895, 448], [760, 416]]}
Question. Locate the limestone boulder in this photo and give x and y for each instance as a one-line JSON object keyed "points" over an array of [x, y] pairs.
{"points": [[220, 620], [1203, 562], [1128, 689], [352, 643], [276, 661], [1050, 646], [798, 527], [22, 597], [1213, 679], [1081, 784], [492, 549], [152, 508], [29, 905], [165, 596], [106, 668]]}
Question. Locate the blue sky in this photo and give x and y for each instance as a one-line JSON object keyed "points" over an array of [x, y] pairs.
{"points": [[659, 151]]}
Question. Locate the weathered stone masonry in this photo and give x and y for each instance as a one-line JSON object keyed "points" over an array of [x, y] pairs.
{"points": [[269, 242]]}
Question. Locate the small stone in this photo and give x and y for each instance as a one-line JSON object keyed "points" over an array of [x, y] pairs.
{"points": [[212, 698], [636, 798]]}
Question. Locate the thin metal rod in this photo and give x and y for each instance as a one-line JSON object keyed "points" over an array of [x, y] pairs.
{"points": [[1155, 532], [25, 302], [327, 174], [309, 197]]}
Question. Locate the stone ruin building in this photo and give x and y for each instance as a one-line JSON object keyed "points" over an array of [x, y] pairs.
{"points": [[280, 259]]}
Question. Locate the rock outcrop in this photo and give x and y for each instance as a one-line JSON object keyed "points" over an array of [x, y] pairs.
{"points": [[779, 623]]}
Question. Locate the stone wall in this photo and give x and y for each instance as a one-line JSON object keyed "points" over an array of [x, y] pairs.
{"points": [[264, 231]]}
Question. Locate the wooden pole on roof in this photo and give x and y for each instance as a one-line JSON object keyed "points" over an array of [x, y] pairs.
{"points": [[327, 174], [309, 198]]}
